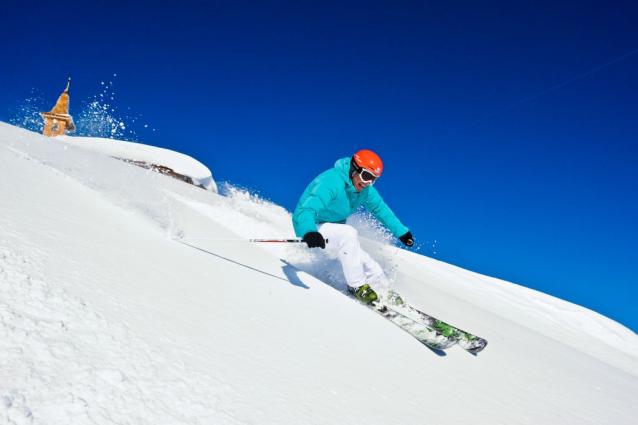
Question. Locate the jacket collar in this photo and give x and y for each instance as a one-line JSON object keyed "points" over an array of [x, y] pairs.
{"points": [[342, 166]]}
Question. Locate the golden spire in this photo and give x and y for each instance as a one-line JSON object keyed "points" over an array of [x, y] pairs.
{"points": [[62, 105], [58, 122]]}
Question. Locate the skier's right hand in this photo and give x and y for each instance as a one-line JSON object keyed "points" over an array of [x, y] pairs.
{"points": [[314, 240]]}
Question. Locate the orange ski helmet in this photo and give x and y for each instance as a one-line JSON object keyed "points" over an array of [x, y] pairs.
{"points": [[366, 160]]}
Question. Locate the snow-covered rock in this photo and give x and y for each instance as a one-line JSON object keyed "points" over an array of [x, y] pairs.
{"points": [[151, 157]]}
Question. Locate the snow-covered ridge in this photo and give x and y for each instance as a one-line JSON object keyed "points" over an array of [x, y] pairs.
{"points": [[105, 319], [151, 155]]}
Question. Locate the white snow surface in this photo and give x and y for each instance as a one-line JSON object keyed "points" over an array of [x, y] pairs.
{"points": [[178, 162], [105, 319]]}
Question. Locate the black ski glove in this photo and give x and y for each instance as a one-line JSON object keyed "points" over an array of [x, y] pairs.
{"points": [[314, 240], [407, 239]]}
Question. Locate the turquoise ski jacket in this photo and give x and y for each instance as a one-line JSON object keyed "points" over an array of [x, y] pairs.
{"points": [[331, 198]]}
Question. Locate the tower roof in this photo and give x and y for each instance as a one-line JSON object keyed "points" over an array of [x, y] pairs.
{"points": [[62, 105], [61, 111]]}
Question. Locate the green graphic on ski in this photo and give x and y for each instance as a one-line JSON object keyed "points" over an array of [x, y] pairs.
{"points": [[421, 332], [465, 340]]}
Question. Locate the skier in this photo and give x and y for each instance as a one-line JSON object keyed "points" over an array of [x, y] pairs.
{"points": [[326, 204]]}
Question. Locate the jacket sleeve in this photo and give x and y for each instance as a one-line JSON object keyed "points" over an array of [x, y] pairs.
{"points": [[374, 203], [320, 194]]}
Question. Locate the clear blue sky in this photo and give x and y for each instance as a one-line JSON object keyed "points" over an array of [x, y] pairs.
{"points": [[514, 173]]}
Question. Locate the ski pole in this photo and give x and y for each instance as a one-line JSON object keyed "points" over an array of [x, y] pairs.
{"points": [[244, 240]]}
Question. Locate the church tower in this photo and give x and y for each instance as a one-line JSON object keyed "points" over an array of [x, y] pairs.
{"points": [[57, 122]]}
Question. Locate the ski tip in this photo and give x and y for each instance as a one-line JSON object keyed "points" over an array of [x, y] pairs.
{"points": [[477, 349]]}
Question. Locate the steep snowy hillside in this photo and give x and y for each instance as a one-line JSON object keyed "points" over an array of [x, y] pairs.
{"points": [[105, 319]]}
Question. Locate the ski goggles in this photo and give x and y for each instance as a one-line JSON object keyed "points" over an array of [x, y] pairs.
{"points": [[367, 176]]}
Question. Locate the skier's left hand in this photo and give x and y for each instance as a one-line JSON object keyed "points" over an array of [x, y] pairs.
{"points": [[407, 239]]}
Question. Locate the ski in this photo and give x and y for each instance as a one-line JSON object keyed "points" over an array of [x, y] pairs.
{"points": [[465, 340], [420, 331], [427, 330]]}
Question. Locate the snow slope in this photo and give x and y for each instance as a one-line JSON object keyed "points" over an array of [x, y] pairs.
{"points": [[105, 319]]}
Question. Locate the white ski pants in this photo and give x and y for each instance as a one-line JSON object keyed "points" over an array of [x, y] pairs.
{"points": [[358, 267]]}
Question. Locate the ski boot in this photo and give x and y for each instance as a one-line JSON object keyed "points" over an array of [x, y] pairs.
{"points": [[364, 293]]}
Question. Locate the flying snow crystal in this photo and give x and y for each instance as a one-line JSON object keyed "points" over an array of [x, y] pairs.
{"points": [[100, 119], [28, 112], [96, 117]]}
